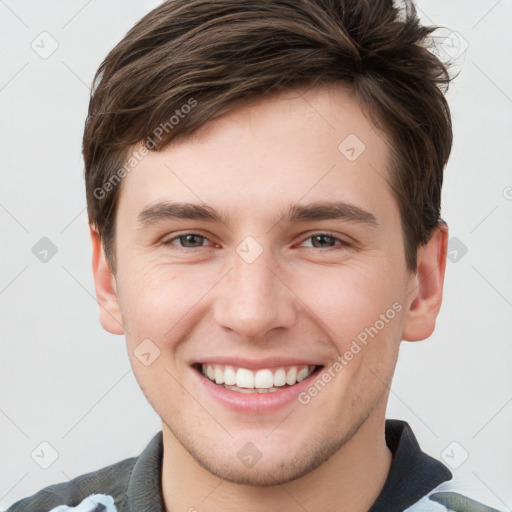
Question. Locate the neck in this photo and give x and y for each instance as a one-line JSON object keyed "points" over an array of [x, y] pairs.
{"points": [[350, 480]]}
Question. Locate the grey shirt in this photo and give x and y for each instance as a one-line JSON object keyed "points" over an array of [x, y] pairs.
{"points": [[134, 483]]}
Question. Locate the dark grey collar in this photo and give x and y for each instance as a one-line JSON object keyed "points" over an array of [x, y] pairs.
{"points": [[413, 473], [144, 486]]}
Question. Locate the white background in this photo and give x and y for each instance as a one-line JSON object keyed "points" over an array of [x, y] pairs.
{"points": [[66, 381]]}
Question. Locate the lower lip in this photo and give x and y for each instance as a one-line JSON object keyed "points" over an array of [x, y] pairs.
{"points": [[255, 403]]}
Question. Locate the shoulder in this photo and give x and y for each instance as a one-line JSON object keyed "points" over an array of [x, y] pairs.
{"points": [[461, 494], [431, 487], [110, 483], [131, 484]]}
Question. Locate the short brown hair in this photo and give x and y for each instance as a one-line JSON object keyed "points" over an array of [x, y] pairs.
{"points": [[216, 54]]}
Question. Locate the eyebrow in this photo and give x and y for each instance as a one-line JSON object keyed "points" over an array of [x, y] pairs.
{"points": [[322, 210]]}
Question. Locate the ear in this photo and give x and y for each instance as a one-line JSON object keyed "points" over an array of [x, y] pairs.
{"points": [[426, 290], [105, 285]]}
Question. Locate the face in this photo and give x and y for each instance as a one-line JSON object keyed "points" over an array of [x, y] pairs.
{"points": [[258, 261]]}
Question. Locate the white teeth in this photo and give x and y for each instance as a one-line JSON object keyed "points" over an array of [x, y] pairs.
{"points": [[244, 378], [229, 376], [261, 381], [291, 376], [243, 390], [302, 374], [219, 375], [280, 377]]}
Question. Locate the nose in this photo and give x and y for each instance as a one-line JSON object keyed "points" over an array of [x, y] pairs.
{"points": [[254, 298]]}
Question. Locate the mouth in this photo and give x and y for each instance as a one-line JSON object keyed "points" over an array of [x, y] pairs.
{"points": [[256, 381]]}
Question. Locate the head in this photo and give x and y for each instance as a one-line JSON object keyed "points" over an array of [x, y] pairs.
{"points": [[263, 184]]}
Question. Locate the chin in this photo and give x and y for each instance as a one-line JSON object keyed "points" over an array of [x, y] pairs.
{"points": [[262, 474], [266, 467]]}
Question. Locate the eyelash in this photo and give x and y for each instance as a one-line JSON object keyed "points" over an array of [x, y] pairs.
{"points": [[342, 242]]}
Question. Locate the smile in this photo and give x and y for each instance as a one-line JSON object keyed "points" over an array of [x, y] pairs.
{"points": [[263, 380]]}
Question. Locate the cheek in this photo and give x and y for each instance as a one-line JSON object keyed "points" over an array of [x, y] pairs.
{"points": [[157, 300], [350, 299], [145, 296]]}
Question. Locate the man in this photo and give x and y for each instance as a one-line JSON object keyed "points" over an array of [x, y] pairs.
{"points": [[263, 183]]}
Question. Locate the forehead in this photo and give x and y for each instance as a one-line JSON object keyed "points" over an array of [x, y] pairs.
{"points": [[292, 146]]}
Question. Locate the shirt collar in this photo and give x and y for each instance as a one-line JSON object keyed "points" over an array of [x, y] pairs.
{"points": [[144, 486], [412, 475]]}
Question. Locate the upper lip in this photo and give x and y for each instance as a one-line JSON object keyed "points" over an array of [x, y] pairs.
{"points": [[250, 364]]}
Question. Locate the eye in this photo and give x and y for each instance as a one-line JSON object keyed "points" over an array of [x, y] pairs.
{"points": [[318, 241], [326, 240], [187, 240]]}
